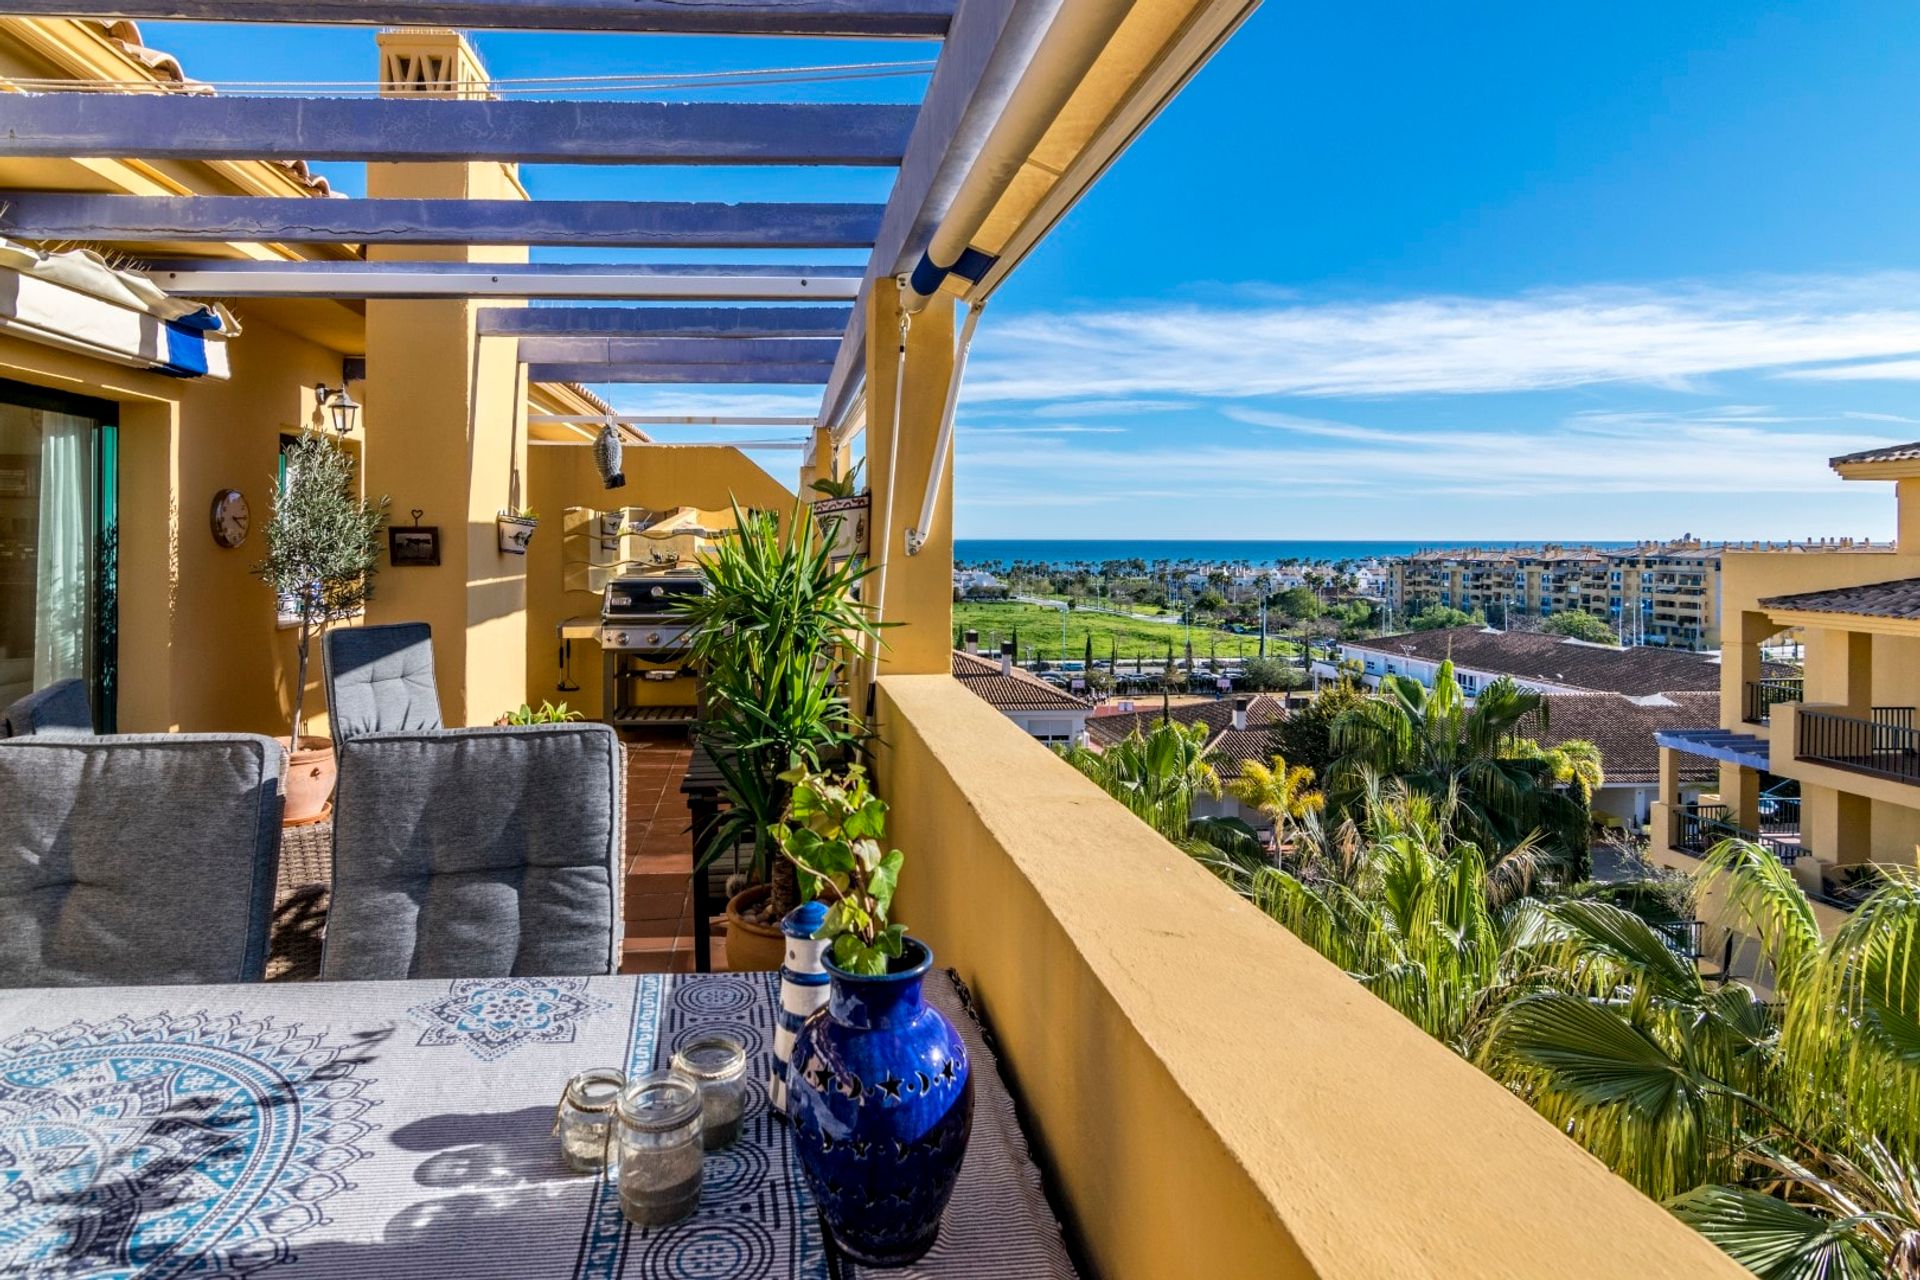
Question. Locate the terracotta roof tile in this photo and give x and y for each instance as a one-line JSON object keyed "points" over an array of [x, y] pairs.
{"points": [[1897, 599], [1017, 692], [1526, 655], [1889, 453], [1217, 715], [1623, 728]]}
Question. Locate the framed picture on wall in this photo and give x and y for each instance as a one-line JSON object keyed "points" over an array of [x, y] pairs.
{"points": [[410, 546]]}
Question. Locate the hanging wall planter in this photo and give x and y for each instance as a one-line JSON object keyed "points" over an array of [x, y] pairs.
{"points": [[848, 519], [515, 532]]}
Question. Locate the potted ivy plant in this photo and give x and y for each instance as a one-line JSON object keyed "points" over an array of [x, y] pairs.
{"points": [[879, 1088], [515, 530], [323, 547], [846, 511], [769, 634]]}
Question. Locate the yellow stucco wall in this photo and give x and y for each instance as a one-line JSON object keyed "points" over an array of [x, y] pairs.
{"points": [[708, 477], [1211, 1097], [199, 648]]}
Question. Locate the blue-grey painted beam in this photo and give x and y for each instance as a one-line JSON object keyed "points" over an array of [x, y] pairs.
{"points": [[873, 19], [206, 127], [663, 322], [627, 281], [983, 57], [621, 224], [704, 351], [809, 374]]}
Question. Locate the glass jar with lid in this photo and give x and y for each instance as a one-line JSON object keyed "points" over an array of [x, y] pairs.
{"points": [[584, 1119], [717, 1063], [657, 1141]]}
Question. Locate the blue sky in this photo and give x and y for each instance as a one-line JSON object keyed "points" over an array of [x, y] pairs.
{"points": [[1407, 270]]}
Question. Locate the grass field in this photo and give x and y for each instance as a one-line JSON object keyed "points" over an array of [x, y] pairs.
{"points": [[1039, 629]]}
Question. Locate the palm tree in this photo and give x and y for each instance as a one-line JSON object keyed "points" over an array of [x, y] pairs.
{"points": [[1157, 775], [1786, 1131], [1439, 743], [1281, 792]]}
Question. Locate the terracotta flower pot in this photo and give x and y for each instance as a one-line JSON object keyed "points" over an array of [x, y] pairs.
{"points": [[751, 947], [309, 781]]}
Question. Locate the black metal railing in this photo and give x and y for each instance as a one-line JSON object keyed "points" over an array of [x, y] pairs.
{"points": [[1885, 746], [1764, 695], [1685, 938], [1702, 826], [1779, 815]]}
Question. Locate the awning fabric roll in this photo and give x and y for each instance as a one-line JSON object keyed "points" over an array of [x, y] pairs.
{"points": [[76, 302]]}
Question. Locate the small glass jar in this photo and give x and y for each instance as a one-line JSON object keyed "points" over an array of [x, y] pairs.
{"points": [[717, 1063], [657, 1135], [584, 1119]]}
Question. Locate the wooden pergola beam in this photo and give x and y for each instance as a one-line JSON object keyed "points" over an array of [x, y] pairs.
{"points": [[628, 224], [662, 322], [207, 127], [624, 282], [806, 374], [869, 19], [745, 352]]}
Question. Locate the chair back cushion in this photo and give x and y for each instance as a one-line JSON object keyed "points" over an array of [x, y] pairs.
{"points": [[477, 853], [137, 859], [380, 680], [61, 708]]}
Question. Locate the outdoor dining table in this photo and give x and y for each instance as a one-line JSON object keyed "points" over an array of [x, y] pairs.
{"points": [[403, 1129]]}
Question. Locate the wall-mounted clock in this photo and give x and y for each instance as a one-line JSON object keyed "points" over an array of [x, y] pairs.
{"points": [[229, 518]]}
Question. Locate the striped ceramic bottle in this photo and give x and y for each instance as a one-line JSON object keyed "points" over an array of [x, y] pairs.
{"points": [[803, 988]]}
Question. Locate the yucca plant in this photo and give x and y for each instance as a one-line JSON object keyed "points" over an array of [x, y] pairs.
{"points": [[770, 634]]}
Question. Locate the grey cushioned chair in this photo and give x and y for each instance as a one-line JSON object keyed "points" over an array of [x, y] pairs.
{"points": [[477, 853], [61, 708], [136, 859], [380, 680]]}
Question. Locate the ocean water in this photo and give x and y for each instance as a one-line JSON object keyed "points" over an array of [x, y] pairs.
{"points": [[1005, 551]]}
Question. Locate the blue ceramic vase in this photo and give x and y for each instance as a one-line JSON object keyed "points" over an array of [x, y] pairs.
{"points": [[881, 1097]]}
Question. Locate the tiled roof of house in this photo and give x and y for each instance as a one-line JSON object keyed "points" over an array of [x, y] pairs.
{"points": [[1217, 715], [1017, 692], [1897, 599], [1890, 453], [1623, 729], [1236, 747], [1525, 655]]}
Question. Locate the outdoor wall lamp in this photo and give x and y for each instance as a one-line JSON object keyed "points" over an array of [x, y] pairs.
{"points": [[342, 409]]}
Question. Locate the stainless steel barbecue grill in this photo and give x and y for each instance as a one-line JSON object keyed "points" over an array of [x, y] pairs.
{"points": [[643, 638]]}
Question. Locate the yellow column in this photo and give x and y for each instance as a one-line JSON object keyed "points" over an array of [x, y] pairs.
{"points": [[446, 418], [1907, 531], [1858, 658], [1740, 792], [1660, 814], [918, 588]]}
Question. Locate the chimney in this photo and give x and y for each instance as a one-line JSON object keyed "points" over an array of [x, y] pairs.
{"points": [[1006, 657], [973, 642], [1240, 705]]}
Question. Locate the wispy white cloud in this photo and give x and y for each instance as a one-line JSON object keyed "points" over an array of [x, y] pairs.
{"points": [[1043, 429], [1109, 408], [1586, 454], [1873, 371], [1670, 336]]}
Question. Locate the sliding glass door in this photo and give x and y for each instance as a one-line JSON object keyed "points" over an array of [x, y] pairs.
{"points": [[59, 540]]}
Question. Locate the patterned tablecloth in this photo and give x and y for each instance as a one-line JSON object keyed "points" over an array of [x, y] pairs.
{"points": [[401, 1129]]}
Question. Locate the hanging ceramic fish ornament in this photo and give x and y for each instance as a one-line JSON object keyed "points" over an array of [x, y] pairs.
{"points": [[606, 455]]}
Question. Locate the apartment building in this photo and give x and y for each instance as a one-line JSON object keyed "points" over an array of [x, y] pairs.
{"points": [[1653, 593], [1822, 767]]}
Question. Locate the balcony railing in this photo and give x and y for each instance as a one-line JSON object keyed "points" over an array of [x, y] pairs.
{"points": [[1885, 746], [1685, 938], [1764, 695], [1702, 826]]}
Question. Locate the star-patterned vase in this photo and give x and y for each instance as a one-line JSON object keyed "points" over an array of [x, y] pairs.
{"points": [[881, 1100]]}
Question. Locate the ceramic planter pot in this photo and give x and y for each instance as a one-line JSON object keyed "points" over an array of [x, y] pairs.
{"points": [[309, 782], [849, 522], [751, 947], [880, 1092], [515, 533]]}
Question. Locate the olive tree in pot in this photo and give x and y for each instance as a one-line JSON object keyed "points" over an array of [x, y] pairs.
{"points": [[779, 615], [323, 546]]}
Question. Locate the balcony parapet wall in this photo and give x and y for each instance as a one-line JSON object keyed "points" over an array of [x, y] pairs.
{"points": [[1210, 1097]]}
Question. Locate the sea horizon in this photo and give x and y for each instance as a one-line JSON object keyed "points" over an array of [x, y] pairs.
{"points": [[1254, 551]]}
